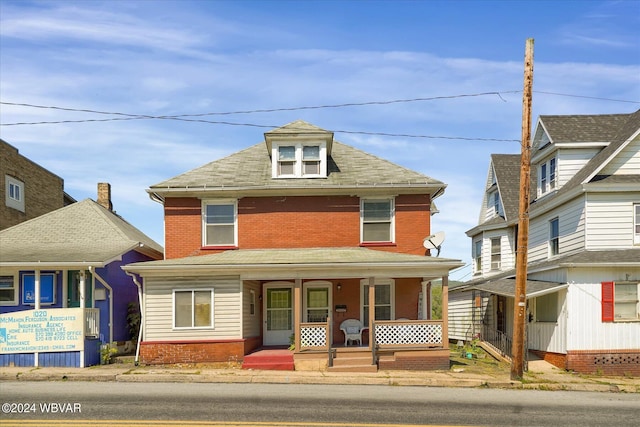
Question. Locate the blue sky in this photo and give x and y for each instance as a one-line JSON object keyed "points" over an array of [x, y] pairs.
{"points": [[191, 57]]}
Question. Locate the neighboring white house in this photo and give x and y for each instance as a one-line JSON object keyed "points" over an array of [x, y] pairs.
{"points": [[583, 269]]}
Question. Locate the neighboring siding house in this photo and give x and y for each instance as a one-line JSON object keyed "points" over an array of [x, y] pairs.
{"points": [[27, 190], [583, 266], [285, 240], [63, 292]]}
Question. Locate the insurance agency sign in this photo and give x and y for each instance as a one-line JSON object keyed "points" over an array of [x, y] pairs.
{"points": [[53, 330]]}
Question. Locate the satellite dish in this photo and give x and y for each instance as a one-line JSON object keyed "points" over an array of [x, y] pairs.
{"points": [[434, 241]]}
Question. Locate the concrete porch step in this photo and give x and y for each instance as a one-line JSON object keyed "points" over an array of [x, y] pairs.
{"points": [[353, 362], [270, 360], [353, 368]]}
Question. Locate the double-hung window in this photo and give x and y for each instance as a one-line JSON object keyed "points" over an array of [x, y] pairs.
{"points": [[219, 223], [496, 249], [377, 220], [547, 179], [193, 308], [636, 224], [620, 301], [477, 256], [554, 237], [8, 290], [301, 160], [384, 301]]}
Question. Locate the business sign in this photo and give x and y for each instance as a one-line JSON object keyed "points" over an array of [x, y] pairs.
{"points": [[47, 288], [51, 330]]}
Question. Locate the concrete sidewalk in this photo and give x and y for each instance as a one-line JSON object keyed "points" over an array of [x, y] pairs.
{"points": [[541, 376]]}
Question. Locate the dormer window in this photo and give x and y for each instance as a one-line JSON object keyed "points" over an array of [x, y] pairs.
{"points": [[547, 173], [301, 160]]}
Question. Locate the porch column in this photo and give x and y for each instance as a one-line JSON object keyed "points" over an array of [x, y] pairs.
{"points": [[36, 290], [65, 288], [297, 312], [426, 300], [372, 310], [445, 311], [82, 287]]}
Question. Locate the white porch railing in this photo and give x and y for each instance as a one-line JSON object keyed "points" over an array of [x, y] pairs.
{"points": [[91, 322], [314, 336], [409, 333]]}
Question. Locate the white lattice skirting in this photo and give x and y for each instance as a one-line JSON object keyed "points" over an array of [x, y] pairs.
{"points": [[408, 334], [313, 336]]}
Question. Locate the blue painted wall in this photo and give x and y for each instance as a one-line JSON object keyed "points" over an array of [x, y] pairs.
{"points": [[17, 359]]}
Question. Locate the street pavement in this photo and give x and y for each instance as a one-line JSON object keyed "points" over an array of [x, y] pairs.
{"points": [[540, 376]]}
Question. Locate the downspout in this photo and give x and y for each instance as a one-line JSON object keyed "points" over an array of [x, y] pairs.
{"points": [[106, 285], [137, 358]]}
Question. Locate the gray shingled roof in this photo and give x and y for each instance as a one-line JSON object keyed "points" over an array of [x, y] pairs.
{"points": [[617, 129], [584, 128], [83, 232], [507, 170], [250, 168]]}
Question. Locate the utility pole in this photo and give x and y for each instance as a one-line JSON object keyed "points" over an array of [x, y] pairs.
{"points": [[520, 296]]}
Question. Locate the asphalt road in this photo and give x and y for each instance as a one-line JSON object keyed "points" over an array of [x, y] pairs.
{"points": [[295, 404]]}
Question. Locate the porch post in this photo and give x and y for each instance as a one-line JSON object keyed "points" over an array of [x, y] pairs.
{"points": [[82, 288], [372, 310], [445, 311], [36, 290], [297, 311], [65, 288], [426, 300]]}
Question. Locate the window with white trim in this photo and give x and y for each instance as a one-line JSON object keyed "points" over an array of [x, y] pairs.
{"points": [[14, 190], [8, 290], [219, 220], [384, 300], [496, 249], [554, 237], [317, 301], [547, 174], [620, 301], [477, 256], [301, 160], [636, 223], [376, 220], [252, 302], [193, 308]]}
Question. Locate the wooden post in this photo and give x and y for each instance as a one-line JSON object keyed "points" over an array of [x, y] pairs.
{"points": [[445, 312], [520, 295], [372, 311], [297, 312]]}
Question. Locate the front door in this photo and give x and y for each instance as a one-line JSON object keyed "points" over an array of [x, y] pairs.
{"points": [[278, 314], [73, 289]]}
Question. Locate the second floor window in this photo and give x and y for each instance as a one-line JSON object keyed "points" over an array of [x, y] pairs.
{"points": [[554, 237], [376, 220], [477, 256], [14, 190], [495, 253], [299, 160], [636, 224], [219, 228]]}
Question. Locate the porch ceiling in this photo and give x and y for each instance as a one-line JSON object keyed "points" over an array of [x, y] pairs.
{"points": [[304, 263], [506, 287]]}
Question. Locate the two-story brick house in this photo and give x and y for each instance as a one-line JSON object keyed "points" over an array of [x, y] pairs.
{"points": [[289, 238], [27, 190], [583, 266]]}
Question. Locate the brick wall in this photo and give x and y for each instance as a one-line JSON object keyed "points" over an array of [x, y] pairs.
{"points": [[295, 222], [431, 360], [605, 362], [157, 353], [43, 191], [558, 360]]}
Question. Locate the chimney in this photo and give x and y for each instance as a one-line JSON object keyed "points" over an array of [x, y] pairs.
{"points": [[104, 195]]}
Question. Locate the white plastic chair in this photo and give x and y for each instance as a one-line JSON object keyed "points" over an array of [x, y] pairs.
{"points": [[352, 329]]}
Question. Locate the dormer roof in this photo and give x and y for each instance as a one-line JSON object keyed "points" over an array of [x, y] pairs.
{"points": [[298, 130]]}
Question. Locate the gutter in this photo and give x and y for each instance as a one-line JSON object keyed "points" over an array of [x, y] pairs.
{"points": [[135, 280], [106, 285]]}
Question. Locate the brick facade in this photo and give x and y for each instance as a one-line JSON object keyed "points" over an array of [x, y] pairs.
{"points": [[43, 190], [428, 360], [605, 362], [276, 222], [164, 352]]}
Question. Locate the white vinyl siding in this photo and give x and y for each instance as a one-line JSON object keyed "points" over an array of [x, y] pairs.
{"points": [[584, 308], [610, 223], [158, 300], [572, 225], [545, 334], [507, 254], [570, 161], [627, 162]]}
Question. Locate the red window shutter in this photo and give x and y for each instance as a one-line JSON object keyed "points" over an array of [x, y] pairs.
{"points": [[607, 301]]}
